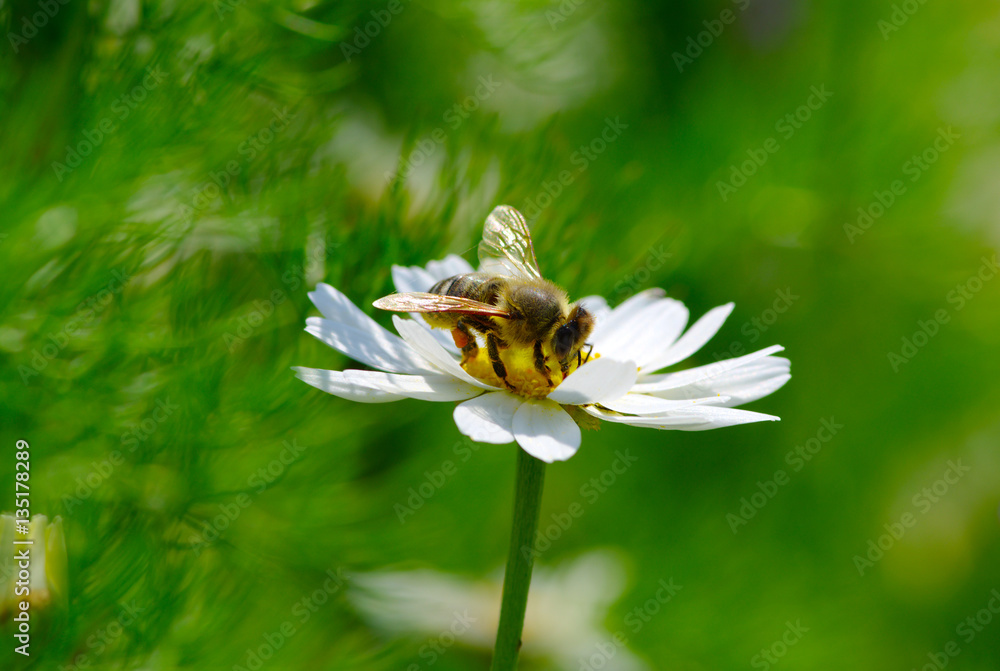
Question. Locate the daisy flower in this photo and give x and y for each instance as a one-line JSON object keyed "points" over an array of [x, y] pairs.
{"points": [[564, 624], [622, 381]]}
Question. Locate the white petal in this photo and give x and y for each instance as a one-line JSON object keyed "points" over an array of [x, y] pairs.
{"points": [[411, 278], [643, 404], [414, 278], [423, 342], [701, 375], [449, 266], [333, 382], [351, 331], [692, 341], [596, 381], [545, 431], [373, 345], [337, 307], [443, 336], [647, 333], [705, 417], [697, 418], [369, 386], [488, 418], [421, 387], [623, 313], [741, 385]]}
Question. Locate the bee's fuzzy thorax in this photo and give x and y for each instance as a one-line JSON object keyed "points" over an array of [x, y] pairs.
{"points": [[537, 307]]}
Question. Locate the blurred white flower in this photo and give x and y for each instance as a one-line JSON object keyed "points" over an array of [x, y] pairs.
{"points": [[41, 578], [564, 622]]}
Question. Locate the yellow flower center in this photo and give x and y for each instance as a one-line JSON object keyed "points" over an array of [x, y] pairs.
{"points": [[522, 376]]}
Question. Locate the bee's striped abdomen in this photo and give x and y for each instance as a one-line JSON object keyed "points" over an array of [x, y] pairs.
{"points": [[480, 287], [475, 286]]}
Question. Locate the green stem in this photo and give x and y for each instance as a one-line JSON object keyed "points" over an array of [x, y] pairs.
{"points": [[520, 559]]}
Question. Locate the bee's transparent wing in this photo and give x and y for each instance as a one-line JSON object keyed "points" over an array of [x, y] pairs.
{"points": [[506, 247], [424, 302]]}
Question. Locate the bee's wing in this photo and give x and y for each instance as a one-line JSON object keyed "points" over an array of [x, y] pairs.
{"points": [[423, 302], [506, 247]]}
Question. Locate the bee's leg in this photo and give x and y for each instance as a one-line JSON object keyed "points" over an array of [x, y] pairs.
{"points": [[580, 360], [589, 350], [493, 349], [540, 362]]}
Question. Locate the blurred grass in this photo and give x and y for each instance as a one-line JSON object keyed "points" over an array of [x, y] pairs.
{"points": [[312, 204]]}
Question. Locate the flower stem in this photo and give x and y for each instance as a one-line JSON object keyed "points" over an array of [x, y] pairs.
{"points": [[520, 559]]}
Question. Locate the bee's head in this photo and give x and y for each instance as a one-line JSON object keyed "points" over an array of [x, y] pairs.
{"points": [[570, 337]]}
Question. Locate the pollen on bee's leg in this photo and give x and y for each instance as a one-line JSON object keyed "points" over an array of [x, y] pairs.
{"points": [[461, 339]]}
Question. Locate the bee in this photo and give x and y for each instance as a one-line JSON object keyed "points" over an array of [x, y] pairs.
{"points": [[507, 302]]}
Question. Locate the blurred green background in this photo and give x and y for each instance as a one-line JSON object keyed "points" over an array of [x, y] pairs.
{"points": [[175, 176]]}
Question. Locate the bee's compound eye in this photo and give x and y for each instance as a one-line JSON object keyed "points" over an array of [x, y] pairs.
{"points": [[564, 340]]}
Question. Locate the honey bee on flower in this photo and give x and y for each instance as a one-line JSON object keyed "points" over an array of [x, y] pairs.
{"points": [[528, 365]]}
